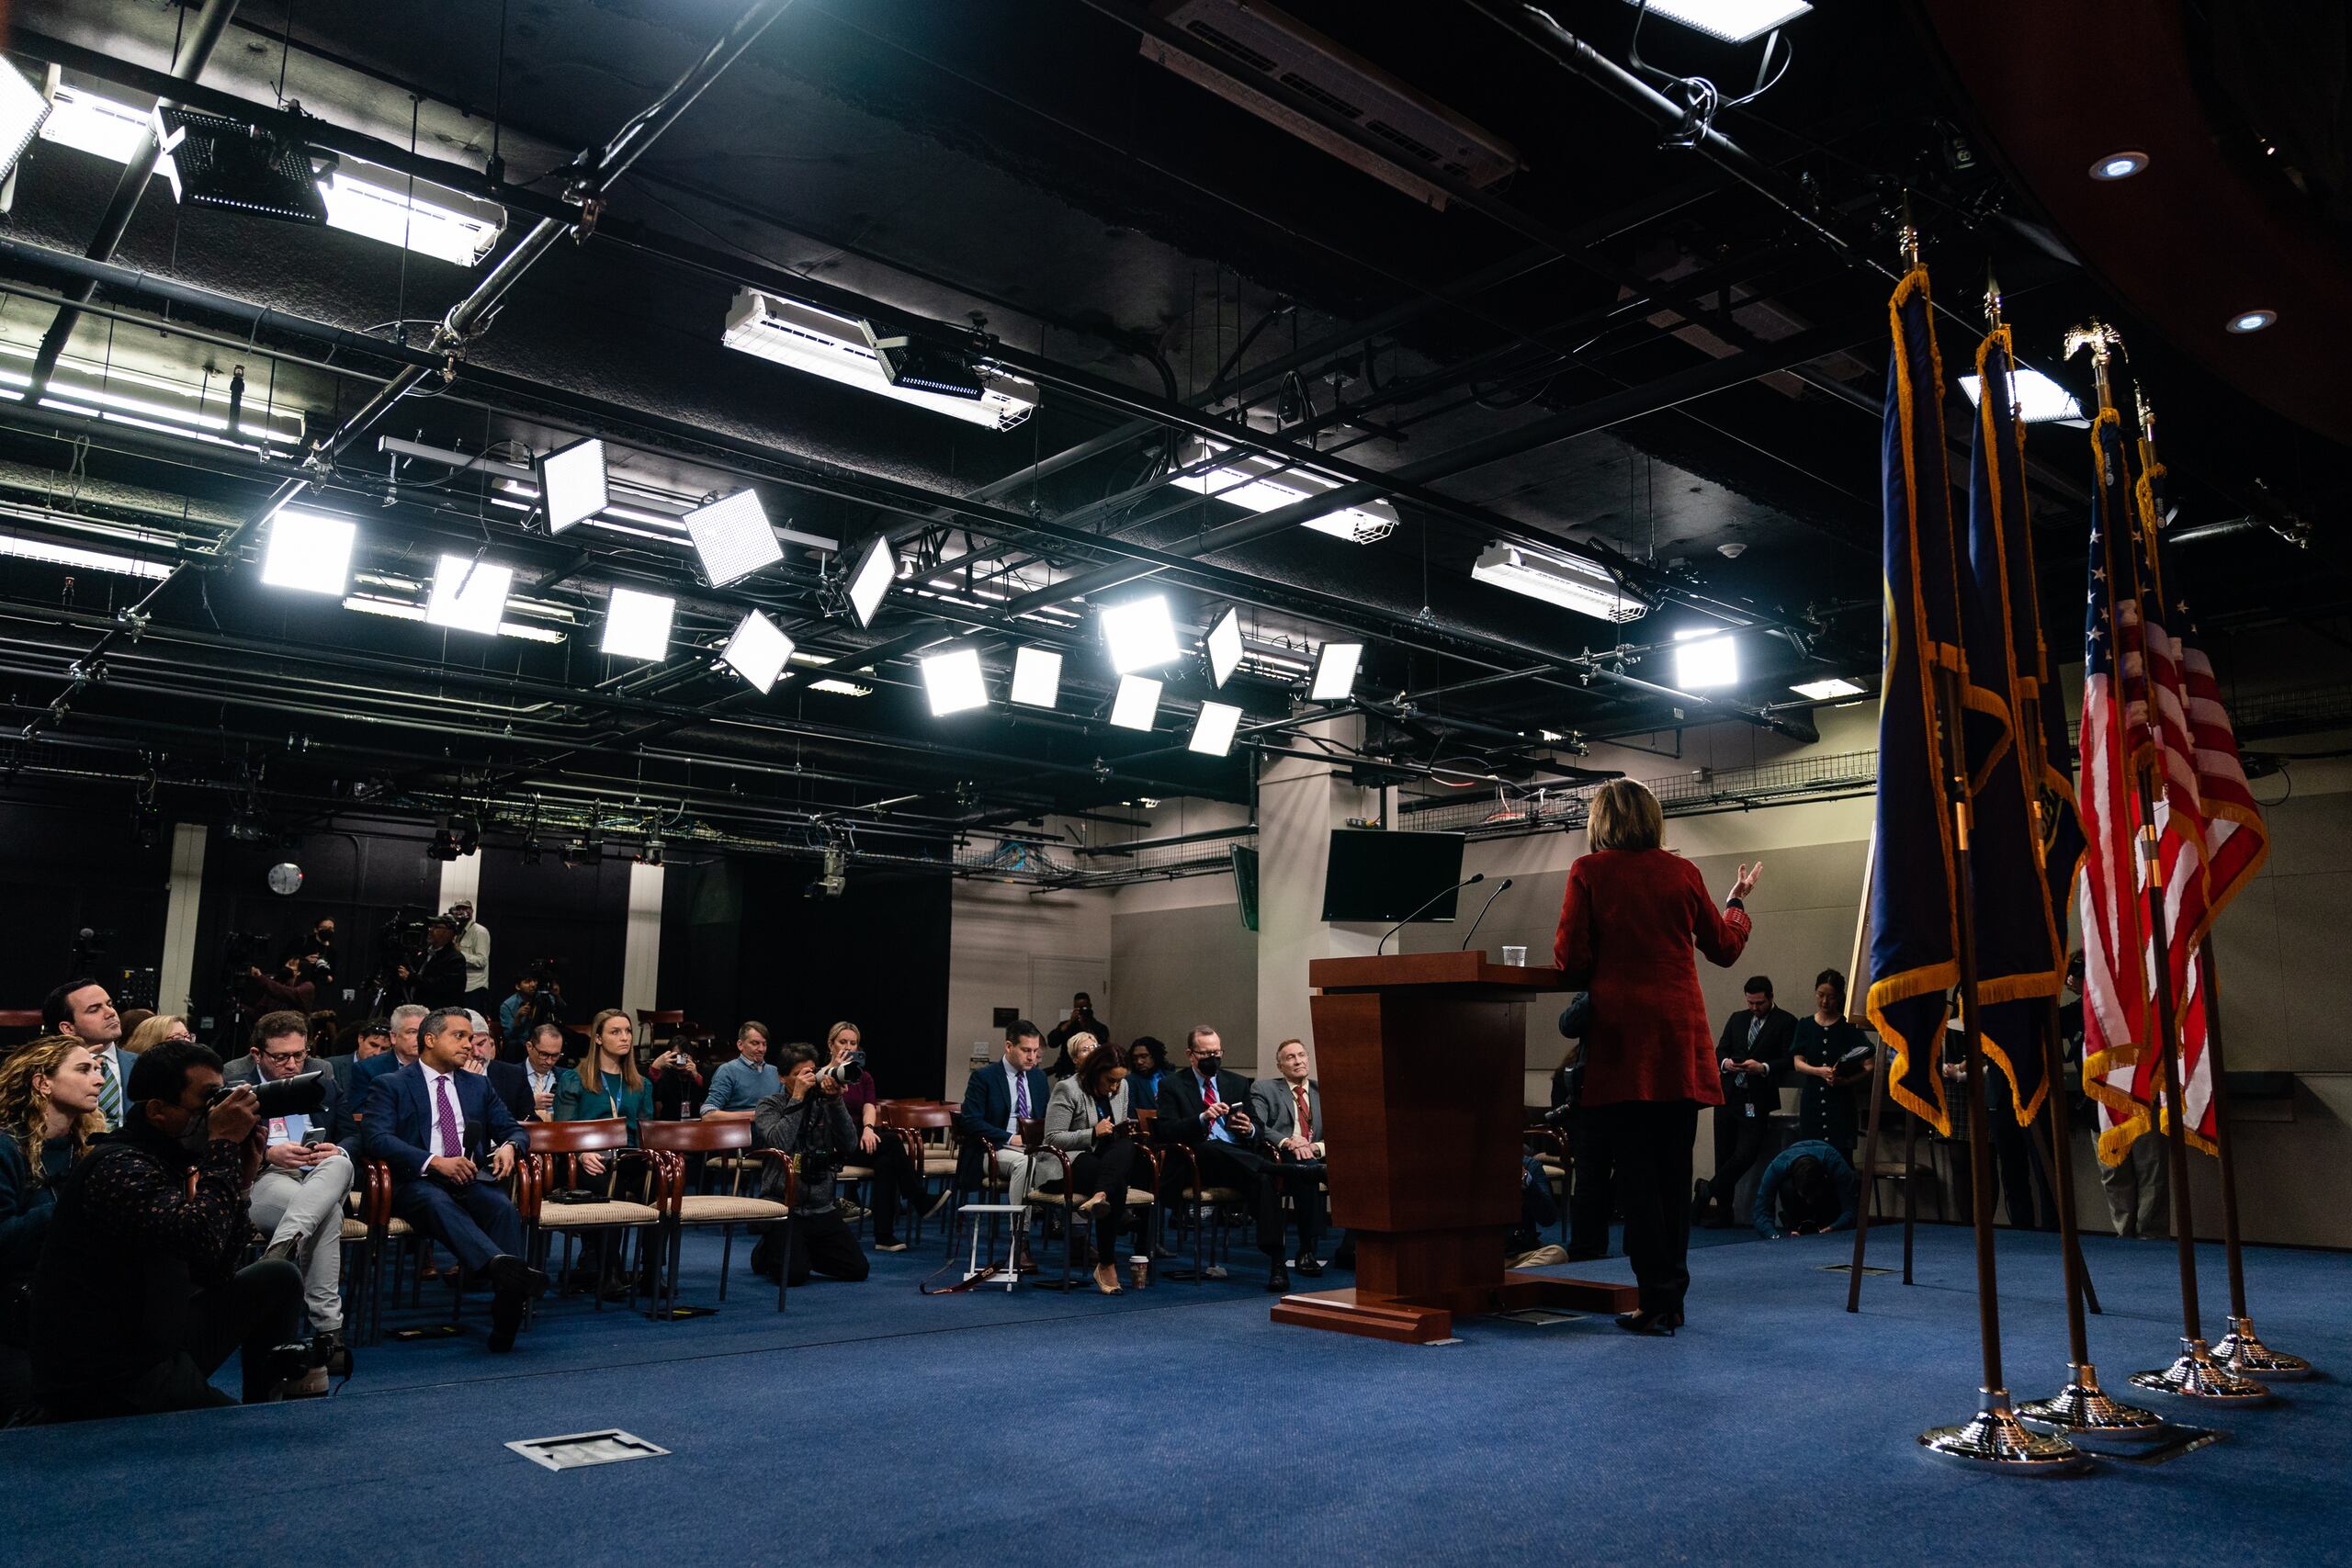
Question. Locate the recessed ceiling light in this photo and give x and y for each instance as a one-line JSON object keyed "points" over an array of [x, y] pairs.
{"points": [[2252, 320], [2118, 166], [1137, 704]]}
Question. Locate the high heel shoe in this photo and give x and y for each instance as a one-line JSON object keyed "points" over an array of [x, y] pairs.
{"points": [[1657, 1325], [1112, 1288]]}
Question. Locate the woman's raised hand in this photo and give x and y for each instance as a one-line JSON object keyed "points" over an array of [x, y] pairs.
{"points": [[1746, 883]]}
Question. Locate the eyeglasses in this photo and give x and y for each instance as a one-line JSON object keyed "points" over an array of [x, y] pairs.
{"points": [[285, 1058]]}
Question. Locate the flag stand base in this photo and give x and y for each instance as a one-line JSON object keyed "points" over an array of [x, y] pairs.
{"points": [[2197, 1375], [2242, 1351], [2082, 1409], [1994, 1440]]}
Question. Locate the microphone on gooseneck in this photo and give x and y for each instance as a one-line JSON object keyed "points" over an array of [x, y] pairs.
{"points": [[1482, 913], [1473, 877]]}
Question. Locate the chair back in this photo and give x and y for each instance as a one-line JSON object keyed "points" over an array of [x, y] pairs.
{"points": [[916, 1116], [697, 1137], [577, 1138]]}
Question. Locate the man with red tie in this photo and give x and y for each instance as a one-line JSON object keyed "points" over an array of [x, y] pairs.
{"points": [[1289, 1110], [441, 1129], [1207, 1109]]}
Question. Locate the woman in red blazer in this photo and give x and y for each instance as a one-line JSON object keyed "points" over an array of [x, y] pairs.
{"points": [[1632, 913]]}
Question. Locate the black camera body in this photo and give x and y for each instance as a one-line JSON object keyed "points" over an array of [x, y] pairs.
{"points": [[305, 1094]]}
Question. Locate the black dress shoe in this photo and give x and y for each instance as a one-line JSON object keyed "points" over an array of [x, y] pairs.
{"points": [[1658, 1325], [1309, 1265], [1279, 1279], [1703, 1198], [515, 1282]]}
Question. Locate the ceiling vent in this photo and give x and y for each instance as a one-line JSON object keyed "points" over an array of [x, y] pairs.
{"points": [[1238, 47]]}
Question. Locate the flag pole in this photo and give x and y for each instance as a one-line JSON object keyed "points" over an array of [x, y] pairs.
{"points": [[2081, 1408], [2242, 1350], [2194, 1374], [1993, 1438]]}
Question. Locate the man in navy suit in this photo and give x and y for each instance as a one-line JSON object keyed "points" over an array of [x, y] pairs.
{"points": [[405, 1018], [996, 1099], [1207, 1109], [439, 1127]]}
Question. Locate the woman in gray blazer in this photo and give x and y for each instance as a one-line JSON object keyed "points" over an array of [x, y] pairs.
{"points": [[1088, 1118]]}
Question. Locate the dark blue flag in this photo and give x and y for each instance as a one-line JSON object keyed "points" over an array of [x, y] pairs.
{"points": [[1914, 932]]}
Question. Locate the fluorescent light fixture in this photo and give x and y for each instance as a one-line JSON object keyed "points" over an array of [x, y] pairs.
{"points": [[1335, 671], [23, 107], [401, 610], [469, 595], [1573, 582], [83, 119], [383, 209], [1734, 21], [1262, 483], [870, 579], [954, 681], [841, 688], [733, 538], [2250, 320], [1823, 691], [309, 550], [1703, 657], [2118, 166], [1213, 731], [1137, 704], [636, 625], [1139, 634], [85, 560], [1224, 643], [758, 651], [1036, 677], [166, 405], [838, 348], [572, 484], [2039, 399]]}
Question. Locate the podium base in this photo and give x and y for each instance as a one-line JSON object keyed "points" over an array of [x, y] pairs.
{"points": [[1411, 1320], [2197, 1375], [1996, 1442], [2082, 1409], [2242, 1351]]}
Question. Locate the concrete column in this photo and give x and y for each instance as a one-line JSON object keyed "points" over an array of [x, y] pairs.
{"points": [[181, 897], [1299, 802], [641, 946]]}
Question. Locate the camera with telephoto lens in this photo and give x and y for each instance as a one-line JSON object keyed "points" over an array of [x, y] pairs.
{"points": [[850, 1069], [305, 1094]]}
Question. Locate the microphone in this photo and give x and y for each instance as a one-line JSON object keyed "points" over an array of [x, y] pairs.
{"points": [[1482, 913], [1473, 877]]}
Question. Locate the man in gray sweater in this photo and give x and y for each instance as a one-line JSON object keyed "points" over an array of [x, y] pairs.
{"points": [[804, 1118]]}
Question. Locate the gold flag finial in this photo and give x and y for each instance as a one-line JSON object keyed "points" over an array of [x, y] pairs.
{"points": [[1992, 298], [1907, 238], [2104, 341]]}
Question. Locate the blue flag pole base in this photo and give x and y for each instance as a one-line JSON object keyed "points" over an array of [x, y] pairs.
{"points": [[1997, 1441], [2082, 1409], [2242, 1351], [2197, 1375]]}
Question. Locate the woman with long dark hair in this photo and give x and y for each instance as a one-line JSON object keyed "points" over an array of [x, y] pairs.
{"points": [[49, 1113], [1631, 917], [1089, 1118]]}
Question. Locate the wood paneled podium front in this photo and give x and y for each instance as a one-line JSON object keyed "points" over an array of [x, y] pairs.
{"points": [[1421, 1057]]}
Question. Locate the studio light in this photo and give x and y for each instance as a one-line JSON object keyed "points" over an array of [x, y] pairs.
{"points": [[870, 579], [1262, 484], [2118, 166], [840, 349], [1036, 677], [1213, 731], [1573, 582], [469, 595], [307, 550], [1224, 643], [1137, 704], [636, 625], [2252, 320], [912, 363], [578, 852], [733, 538], [1823, 691], [1139, 634], [2039, 399], [23, 107], [572, 484], [1335, 671], [219, 162], [758, 651], [1704, 658], [1734, 21], [954, 681]]}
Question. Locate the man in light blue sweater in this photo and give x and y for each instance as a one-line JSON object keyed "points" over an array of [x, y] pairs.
{"points": [[739, 1086]]}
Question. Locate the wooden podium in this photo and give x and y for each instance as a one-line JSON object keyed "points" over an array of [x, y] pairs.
{"points": [[1422, 1059]]}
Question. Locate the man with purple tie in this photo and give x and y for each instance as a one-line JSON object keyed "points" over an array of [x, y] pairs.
{"points": [[440, 1129], [997, 1100]]}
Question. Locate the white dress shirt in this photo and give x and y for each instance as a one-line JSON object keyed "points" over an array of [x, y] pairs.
{"points": [[110, 1059], [434, 1077]]}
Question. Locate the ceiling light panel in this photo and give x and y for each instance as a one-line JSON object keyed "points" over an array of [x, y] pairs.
{"points": [[1262, 483], [1335, 671], [2039, 399], [1137, 707], [733, 538], [1823, 691], [954, 681], [573, 484], [636, 625], [307, 550], [469, 595], [1139, 634], [1705, 658], [1573, 582], [758, 651], [1212, 732], [1224, 643], [1036, 677], [1734, 21], [23, 107]]}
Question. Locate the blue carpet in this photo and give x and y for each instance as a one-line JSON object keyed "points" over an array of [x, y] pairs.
{"points": [[868, 1423]]}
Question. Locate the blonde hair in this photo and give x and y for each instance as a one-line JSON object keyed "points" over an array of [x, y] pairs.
{"points": [[24, 1111], [153, 1032], [1082, 1036], [1624, 816]]}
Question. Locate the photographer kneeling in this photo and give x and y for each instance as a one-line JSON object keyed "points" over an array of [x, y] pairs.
{"points": [[138, 1298], [806, 1119]]}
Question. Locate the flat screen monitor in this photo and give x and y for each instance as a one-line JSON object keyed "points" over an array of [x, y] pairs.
{"points": [[1376, 875]]}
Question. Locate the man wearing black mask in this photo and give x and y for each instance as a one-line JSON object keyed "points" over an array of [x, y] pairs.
{"points": [[1207, 1109], [138, 1298]]}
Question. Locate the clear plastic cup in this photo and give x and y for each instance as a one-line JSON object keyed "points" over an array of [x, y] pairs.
{"points": [[1515, 956]]}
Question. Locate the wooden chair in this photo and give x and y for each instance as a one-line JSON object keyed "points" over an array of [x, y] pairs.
{"points": [[929, 1129], [556, 1149], [1066, 1203], [1201, 1207], [655, 1028], [726, 1210]]}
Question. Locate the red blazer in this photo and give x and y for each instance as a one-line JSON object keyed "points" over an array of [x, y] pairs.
{"points": [[1627, 929]]}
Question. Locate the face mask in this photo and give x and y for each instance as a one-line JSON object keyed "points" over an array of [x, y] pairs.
{"points": [[1208, 1067]]}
